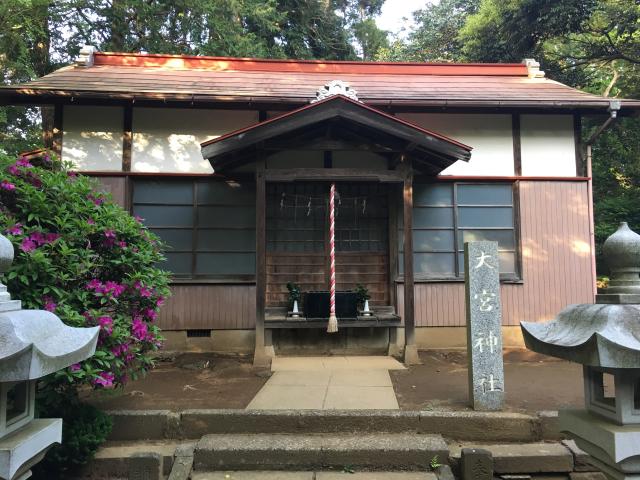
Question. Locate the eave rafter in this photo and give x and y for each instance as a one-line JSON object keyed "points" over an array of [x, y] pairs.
{"points": [[337, 123]]}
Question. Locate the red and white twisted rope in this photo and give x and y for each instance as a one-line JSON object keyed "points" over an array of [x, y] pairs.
{"points": [[333, 321]]}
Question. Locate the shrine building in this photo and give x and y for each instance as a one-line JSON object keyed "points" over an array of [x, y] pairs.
{"points": [[231, 161]]}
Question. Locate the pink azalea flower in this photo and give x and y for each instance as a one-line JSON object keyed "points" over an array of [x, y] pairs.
{"points": [[151, 314], [160, 302], [91, 221], [4, 185], [105, 379], [72, 174], [13, 170], [15, 230], [106, 323], [94, 284], [75, 367], [96, 200], [23, 162], [49, 304], [122, 244], [114, 288], [110, 234], [27, 245], [139, 328], [51, 237]]}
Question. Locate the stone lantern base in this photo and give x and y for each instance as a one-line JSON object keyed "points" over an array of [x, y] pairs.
{"points": [[613, 448], [25, 447]]}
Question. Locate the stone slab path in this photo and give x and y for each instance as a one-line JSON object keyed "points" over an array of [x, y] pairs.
{"points": [[329, 383]]}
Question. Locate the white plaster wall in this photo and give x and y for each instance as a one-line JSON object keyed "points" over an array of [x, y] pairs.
{"points": [[92, 137], [490, 136], [168, 140], [548, 145]]}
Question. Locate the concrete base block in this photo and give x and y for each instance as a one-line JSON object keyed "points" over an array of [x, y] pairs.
{"points": [[262, 356], [608, 444], [411, 356], [525, 458], [549, 425], [220, 341], [145, 466], [183, 462], [587, 476], [114, 461], [581, 459]]}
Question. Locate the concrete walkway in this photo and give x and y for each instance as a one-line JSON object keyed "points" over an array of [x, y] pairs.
{"points": [[329, 383]]}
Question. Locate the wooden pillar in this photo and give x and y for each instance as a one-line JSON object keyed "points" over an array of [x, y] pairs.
{"points": [[263, 352], [56, 140], [410, 349], [127, 138]]}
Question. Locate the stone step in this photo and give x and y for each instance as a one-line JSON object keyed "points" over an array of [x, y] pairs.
{"points": [[487, 427], [523, 458], [116, 459], [309, 452], [317, 475]]}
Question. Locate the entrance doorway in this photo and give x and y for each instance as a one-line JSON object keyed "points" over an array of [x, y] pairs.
{"points": [[298, 239]]}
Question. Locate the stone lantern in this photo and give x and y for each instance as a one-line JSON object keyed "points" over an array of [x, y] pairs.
{"points": [[605, 338], [33, 343]]}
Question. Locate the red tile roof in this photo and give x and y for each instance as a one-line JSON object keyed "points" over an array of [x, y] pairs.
{"points": [[216, 79]]}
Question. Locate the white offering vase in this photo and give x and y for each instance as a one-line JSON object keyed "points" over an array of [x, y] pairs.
{"points": [[295, 312], [366, 312]]}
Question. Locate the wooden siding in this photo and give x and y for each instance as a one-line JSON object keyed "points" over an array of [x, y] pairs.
{"points": [[309, 271], [305, 269], [217, 307], [556, 262]]}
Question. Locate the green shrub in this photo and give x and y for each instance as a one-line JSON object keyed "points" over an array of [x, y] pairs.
{"points": [[84, 429], [84, 258]]}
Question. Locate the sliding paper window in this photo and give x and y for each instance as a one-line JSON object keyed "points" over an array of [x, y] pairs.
{"points": [[208, 225], [446, 215]]}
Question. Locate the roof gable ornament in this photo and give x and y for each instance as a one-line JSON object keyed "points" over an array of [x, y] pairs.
{"points": [[533, 68], [335, 87], [85, 59]]}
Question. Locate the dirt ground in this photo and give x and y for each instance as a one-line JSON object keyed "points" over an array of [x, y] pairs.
{"points": [[187, 380], [532, 382]]}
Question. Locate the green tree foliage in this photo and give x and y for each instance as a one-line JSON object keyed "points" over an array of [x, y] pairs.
{"points": [[435, 37], [39, 36]]}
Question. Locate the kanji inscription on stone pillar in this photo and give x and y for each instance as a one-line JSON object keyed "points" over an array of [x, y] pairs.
{"points": [[484, 322]]}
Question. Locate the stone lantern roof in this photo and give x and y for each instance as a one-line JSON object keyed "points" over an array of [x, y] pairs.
{"points": [[605, 334], [36, 343]]}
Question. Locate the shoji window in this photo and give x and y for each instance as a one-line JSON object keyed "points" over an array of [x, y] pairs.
{"points": [[446, 215], [208, 225]]}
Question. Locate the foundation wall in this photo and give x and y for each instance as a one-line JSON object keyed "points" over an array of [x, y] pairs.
{"points": [[357, 341]]}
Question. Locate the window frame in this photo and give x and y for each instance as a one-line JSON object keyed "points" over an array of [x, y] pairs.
{"points": [[195, 228], [510, 277]]}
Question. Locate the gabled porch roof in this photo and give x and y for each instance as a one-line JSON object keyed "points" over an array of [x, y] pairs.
{"points": [[337, 122]]}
